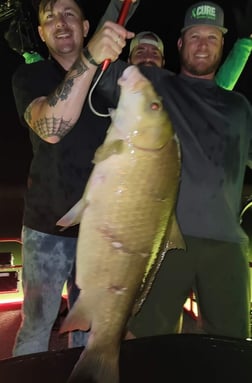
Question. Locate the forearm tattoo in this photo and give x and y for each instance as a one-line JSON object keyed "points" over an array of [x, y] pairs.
{"points": [[55, 126], [64, 89]]}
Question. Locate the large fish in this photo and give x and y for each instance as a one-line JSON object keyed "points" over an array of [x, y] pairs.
{"points": [[127, 224]]}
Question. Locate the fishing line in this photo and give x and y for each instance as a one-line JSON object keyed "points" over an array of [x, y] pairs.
{"points": [[90, 96]]}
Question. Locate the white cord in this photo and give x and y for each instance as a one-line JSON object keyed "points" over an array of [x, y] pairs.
{"points": [[90, 95]]}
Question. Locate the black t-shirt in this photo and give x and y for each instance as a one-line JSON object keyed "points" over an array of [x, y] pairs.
{"points": [[214, 128], [58, 172]]}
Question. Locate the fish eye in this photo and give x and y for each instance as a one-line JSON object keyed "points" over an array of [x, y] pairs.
{"points": [[156, 105]]}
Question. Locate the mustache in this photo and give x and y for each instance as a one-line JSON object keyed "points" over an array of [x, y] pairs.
{"points": [[148, 63]]}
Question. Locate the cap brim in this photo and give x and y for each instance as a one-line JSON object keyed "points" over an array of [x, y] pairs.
{"points": [[222, 29]]}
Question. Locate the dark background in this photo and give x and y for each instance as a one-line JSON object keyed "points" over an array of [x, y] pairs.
{"points": [[163, 17]]}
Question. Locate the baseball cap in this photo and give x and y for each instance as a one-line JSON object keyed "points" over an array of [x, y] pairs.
{"points": [[204, 13], [147, 37]]}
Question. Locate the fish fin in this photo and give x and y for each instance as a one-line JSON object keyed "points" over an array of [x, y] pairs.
{"points": [[96, 365], [106, 150], [173, 239], [73, 216], [147, 283], [76, 318]]}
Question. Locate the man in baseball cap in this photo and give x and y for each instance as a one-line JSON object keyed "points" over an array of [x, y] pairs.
{"points": [[147, 49], [204, 13]]}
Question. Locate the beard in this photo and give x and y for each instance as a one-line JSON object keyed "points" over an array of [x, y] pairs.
{"points": [[148, 63], [200, 69]]}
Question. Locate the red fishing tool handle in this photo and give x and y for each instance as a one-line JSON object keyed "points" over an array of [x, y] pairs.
{"points": [[121, 20]]}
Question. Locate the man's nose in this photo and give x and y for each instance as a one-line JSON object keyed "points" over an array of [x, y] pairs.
{"points": [[60, 20]]}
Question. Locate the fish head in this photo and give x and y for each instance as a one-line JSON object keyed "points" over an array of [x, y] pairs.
{"points": [[140, 116]]}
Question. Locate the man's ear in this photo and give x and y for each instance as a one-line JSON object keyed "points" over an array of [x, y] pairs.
{"points": [[40, 32], [85, 28], [179, 43]]}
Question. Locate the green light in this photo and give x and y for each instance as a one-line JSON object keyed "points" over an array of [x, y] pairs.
{"points": [[32, 57]]}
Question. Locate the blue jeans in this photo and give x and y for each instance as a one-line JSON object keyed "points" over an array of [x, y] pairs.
{"points": [[48, 262]]}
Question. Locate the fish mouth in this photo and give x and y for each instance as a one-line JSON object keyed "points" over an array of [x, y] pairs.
{"points": [[131, 78]]}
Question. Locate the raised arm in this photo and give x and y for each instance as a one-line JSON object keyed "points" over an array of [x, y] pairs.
{"points": [[230, 71], [53, 116]]}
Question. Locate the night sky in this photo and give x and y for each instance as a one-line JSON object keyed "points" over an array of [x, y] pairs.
{"points": [[15, 151]]}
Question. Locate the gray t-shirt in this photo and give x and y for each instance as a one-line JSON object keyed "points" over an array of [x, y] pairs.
{"points": [[214, 127]]}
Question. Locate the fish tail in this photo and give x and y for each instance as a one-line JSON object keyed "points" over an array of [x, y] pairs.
{"points": [[95, 366], [76, 318]]}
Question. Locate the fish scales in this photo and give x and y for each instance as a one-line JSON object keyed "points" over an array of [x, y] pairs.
{"points": [[127, 221]]}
